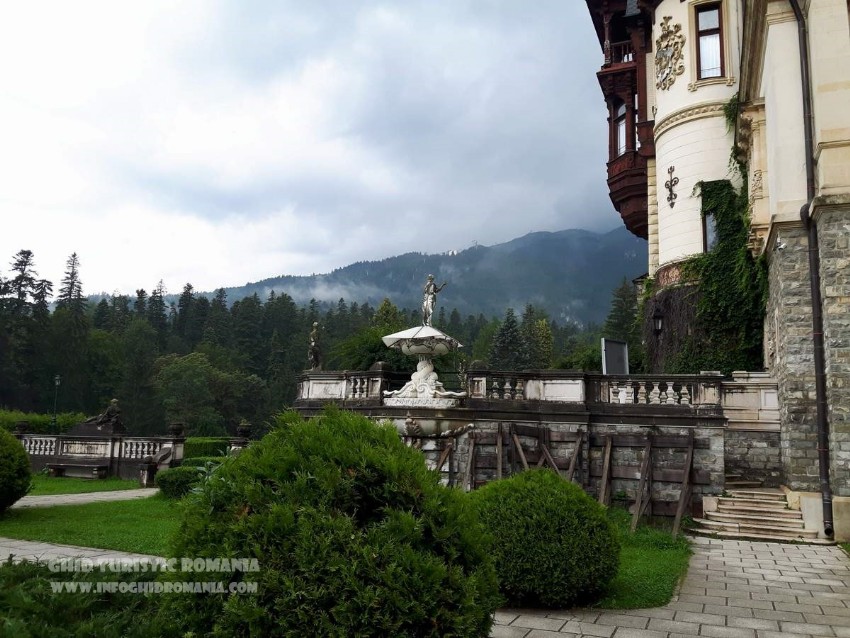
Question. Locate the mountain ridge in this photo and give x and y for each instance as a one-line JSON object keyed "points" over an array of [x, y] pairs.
{"points": [[550, 269]]}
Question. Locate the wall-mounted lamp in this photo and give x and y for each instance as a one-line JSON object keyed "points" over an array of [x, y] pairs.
{"points": [[780, 245], [657, 321]]}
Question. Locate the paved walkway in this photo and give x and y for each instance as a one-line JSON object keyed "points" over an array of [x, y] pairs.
{"points": [[733, 589], [90, 497], [38, 551]]}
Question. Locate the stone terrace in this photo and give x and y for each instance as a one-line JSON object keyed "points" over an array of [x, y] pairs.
{"points": [[733, 589]]}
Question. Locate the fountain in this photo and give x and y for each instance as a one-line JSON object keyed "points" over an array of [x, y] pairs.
{"points": [[424, 388]]}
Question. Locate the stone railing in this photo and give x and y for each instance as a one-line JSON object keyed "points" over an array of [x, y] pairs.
{"points": [[37, 445], [344, 386], [526, 386], [120, 455], [682, 390]]}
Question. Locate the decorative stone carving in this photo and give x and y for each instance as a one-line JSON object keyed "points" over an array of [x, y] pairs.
{"points": [[669, 53]]}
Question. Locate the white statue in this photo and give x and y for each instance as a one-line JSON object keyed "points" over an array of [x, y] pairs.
{"points": [[429, 299]]}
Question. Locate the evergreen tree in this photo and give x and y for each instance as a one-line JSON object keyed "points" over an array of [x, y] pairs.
{"points": [[140, 305], [140, 406], [508, 350], [620, 323], [101, 315], [156, 315], [71, 291]]}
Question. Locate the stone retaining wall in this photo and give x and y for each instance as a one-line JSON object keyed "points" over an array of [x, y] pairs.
{"points": [[755, 455]]}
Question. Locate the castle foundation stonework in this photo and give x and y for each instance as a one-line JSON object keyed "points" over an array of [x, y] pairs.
{"points": [[788, 339], [833, 225]]}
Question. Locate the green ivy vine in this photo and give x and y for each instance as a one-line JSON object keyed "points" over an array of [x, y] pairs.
{"points": [[714, 319]]}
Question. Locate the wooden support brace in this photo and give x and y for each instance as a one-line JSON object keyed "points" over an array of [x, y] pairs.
{"points": [[499, 452], [445, 455], [470, 464], [574, 460], [518, 448], [685, 494], [645, 479], [605, 481], [547, 456]]}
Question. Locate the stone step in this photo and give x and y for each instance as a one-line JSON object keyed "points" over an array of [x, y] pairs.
{"points": [[737, 508], [776, 521], [767, 495], [752, 502], [742, 484], [757, 527], [759, 537], [732, 476]]}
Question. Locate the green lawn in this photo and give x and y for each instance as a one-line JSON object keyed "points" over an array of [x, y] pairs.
{"points": [[143, 525], [846, 547], [47, 485], [652, 563]]}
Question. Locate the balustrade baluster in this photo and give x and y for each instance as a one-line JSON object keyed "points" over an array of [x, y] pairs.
{"points": [[641, 397], [495, 393], [686, 395], [655, 394], [671, 393], [520, 390], [508, 394]]}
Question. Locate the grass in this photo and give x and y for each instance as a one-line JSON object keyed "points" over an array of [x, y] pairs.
{"points": [[48, 485], [143, 525], [846, 547], [652, 563]]}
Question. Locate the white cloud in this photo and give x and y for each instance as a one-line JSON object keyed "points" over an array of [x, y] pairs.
{"points": [[220, 143]]}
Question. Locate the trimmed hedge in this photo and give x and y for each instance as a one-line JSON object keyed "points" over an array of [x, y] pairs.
{"points": [[353, 535], [15, 473], [554, 545], [40, 423], [177, 482], [205, 446]]}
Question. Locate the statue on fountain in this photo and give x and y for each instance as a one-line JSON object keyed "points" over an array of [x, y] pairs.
{"points": [[429, 299], [424, 342]]}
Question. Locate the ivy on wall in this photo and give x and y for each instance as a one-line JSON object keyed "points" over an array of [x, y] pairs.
{"points": [[713, 319]]}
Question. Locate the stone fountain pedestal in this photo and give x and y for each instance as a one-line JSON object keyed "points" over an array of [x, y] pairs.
{"points": [[424, 388]]}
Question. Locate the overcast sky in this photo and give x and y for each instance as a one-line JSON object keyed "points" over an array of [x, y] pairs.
{"points": [[221, 142]]}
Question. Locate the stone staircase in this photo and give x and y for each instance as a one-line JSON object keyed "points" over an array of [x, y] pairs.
{"points": [[754, 513]]}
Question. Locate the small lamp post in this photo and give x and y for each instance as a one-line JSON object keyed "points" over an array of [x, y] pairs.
{"points": [[56, 380], [657, 322]]}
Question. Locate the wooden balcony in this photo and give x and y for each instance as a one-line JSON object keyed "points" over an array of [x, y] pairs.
{"points": [[627, 186]]}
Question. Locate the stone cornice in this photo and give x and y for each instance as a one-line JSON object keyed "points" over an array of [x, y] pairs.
{"points": [[696, 112], [824, 203]]}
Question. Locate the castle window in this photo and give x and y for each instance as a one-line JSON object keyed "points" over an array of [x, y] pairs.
{"points": [[709, 41], [709, 232], [620, 128]]}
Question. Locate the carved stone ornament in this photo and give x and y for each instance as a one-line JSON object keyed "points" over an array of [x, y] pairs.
{"points": [[669, 51]]}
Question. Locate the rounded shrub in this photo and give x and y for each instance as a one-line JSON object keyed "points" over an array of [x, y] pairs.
{"points": [[554, 545], [15, 473], [353, 536], [177, 482]]}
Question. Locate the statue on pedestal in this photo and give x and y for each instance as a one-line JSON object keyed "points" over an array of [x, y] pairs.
{"points": [[429, 299], [314, 355]]}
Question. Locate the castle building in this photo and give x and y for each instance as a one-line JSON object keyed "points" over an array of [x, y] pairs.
{"points": [[695, 88]]}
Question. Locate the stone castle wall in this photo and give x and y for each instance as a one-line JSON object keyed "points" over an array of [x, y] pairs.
{"points": [[833, 226], [754, 455], [788, 335]]}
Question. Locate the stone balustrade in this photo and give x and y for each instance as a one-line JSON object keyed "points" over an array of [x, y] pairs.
{"points": [[120, 455], [656, 390]]}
